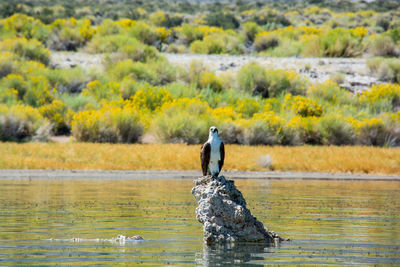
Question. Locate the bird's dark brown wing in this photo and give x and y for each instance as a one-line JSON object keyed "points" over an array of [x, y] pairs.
{"points": [[205, 157], [222, 153]]}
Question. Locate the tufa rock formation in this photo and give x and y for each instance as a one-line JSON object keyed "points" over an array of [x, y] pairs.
{"points": [[223, 213]]}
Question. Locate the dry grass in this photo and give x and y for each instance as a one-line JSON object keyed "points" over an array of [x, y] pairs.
{"points": [[182, 157]]}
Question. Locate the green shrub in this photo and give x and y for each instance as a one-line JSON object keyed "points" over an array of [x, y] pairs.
{"points": [[29, 49], [383, 46], [253, 78], [209, 80], [285, 81], [7, 63], [378, 132], [139, 52], [108, 125], [128, 87], [263, 129], [181, 90], [265, 41], [109, 27], [182, 121], [330, 92], [110, 43], [176, 49], [164, 71], [144, 33], [79, 102], [386, 69], [250, 30], [270, 18], [225, 20], [395, 34], [340, 43], [72, 80], [217, 44], [107, 91], [231, 132], [336, 131], [20, 123], [285, 48], [190, 33], [137, 70], [259, 133]]}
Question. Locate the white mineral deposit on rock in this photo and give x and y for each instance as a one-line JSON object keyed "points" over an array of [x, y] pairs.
{"points": [[223, 213]]}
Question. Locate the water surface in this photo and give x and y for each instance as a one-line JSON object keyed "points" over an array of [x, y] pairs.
{"points": [[329, 222]]}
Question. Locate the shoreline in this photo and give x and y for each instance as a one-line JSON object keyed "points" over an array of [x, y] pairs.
{"points": [[15, 174]]}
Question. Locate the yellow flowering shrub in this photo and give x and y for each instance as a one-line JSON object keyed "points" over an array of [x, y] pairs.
{"points": [[246, 107], [56, 112], [38, 92], [150, 98], [158, 18], [189, 33], [263, 129], [217, 44], [373, 132], [30, 49], [125, 23], [163, 34], [8, 63], [359, 32], [225, 113], [9, 96], [307, 128], [110, 124], [101, 91], [209, 80], [266, 40], [302, 106], [25, 26], [382, 96], [30, 68], [16, 83]]}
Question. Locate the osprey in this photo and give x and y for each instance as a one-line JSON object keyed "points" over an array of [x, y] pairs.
{"points": [[212, 154]]}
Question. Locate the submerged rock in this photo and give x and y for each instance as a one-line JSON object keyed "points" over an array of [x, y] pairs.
{"points": [[223, 213]]}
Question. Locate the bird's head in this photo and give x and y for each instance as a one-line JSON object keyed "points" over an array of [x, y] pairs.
{"points": [[213, 131]]}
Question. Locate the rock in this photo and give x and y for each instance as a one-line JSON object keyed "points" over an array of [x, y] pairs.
{"points": [[223, 213]]}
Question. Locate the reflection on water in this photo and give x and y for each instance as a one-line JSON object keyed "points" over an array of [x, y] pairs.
{"points": [[328, 222], [230, 254]]}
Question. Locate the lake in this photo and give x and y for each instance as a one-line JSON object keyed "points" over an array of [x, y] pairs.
{"points": [[73, 222]]}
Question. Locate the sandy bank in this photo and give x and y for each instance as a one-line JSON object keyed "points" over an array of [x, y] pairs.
{"points": [[167, 174]]}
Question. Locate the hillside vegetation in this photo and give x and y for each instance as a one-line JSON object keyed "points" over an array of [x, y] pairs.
{"points": [[139, 92]]}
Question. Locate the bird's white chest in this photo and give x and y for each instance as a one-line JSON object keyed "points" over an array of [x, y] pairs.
{"points": [[215, 155]]}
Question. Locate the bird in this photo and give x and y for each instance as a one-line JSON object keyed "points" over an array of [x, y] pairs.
{"points": [[212, 154]]}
